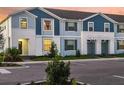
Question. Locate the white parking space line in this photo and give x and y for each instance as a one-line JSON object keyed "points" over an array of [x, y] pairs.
{"points": [[4, 71], [122, 77]]}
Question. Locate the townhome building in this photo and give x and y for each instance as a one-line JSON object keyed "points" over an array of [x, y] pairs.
{"points": [[33, 30]]}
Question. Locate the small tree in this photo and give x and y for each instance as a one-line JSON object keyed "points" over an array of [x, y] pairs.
{"points": [[58, 72], [12, 55], [2, 42], [78, 54], [53, 50]]}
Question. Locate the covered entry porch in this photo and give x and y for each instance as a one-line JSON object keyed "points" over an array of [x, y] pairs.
{"points": [[23, 46], [101, 47]]}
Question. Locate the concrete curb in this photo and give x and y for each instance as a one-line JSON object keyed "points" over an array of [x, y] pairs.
{"points": [[14, 67], [45, 80], [77, 60]]}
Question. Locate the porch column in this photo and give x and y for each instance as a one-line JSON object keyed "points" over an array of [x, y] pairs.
{"points": [[98, 47]]}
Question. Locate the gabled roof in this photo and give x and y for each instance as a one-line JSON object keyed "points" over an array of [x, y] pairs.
{"points": [[101, 14], [16, 12], [69, 14], [118, 18]]}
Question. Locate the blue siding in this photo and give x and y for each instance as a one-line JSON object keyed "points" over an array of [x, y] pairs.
{"points": [[40, 15], [15, 20], [98, 24]]}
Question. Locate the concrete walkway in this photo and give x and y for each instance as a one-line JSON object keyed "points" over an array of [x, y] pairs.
{"points": [[76, 60]]}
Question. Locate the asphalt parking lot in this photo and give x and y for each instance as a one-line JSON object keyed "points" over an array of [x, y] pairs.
{"points": [[92, 72]]}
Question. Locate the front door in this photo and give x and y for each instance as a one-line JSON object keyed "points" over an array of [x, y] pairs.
{"points": [[105, 47], [20, 47], [91, 47], [23, 46]]}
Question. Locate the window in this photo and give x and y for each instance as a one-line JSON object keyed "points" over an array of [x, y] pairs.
{"points": [[23, 23], [121, 28], [71, 26], [90, 26], [106, 27], [70, 44], [47, 44], [47, 25], [120, 44]]}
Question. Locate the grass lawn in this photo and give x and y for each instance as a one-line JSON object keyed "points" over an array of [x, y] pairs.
{"points": [[45, 58], [9, 65], [1, 58]]}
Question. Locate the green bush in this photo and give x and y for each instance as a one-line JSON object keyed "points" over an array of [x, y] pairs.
{"points": [[1, 53], [53, 50], [12, 55], [57, 72], [78, 54]]}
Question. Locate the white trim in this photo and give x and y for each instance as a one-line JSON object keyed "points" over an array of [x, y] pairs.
{"points": [[103, 15], [73, 20], [38, 36], [88, 26], [89, 17], [25, 10], [52, 24], [108, 18], [120, 23], [107, 24], [31, 14], [20, 23]]}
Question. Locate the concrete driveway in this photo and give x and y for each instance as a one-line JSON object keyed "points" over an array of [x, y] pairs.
{"points": [[104, 72]]}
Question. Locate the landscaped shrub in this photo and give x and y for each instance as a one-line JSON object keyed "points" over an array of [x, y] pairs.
{"points": [[57, 72], [1, 53], [78, 54], [12, 55], [53, 50]]}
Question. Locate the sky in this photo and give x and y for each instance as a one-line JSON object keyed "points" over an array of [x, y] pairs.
{"points": [[5, 11]]}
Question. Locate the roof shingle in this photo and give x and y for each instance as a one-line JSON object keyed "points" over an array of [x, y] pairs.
{"points": [[69, 14]]}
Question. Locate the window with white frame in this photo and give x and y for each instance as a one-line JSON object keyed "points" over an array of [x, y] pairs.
{"points": [[47, 25], [70, 44], [120, 44], [121, 28], [47, 44], [71, 26], [90, 26], [23, 23], [106, 27]]}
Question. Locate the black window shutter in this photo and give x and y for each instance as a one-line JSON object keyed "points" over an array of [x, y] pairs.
{"points": [[75, 44], [75, 26], [66, 26]]}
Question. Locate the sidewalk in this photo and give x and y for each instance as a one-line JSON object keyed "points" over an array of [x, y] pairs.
{"points": [[77, 60]]}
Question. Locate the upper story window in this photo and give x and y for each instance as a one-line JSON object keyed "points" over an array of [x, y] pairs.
{"points": [[47, 25], [23, 23], [106, 27], [121, 28], [71, 26], [90, 26]]}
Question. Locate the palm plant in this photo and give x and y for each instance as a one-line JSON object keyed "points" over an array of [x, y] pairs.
{"points": [[12, 55]]}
